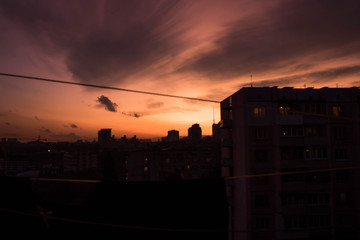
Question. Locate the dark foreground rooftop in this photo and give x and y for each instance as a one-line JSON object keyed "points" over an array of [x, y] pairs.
{"points": [[195, 209]]}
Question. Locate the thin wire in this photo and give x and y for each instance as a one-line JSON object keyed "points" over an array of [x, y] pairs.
{"points": [[226, 178], [66, 180], [291, 172], [169, 95], [141, 227], [111, 224], [105, 87]]}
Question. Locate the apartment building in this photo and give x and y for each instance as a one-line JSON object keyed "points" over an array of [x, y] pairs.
{"points": [[291, 157]]}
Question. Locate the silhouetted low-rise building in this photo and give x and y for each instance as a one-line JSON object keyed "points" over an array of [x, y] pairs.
{"points": [[174, 161], [104, 135]]}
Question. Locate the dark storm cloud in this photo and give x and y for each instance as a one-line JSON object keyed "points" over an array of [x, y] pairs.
{"points": [[109, 41], [275, 39], [73, 125], [109, 105], [313, 77]]}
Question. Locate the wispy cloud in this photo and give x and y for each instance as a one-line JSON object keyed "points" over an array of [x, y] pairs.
{"points": [[312, 77], [283, 36], [155, 105], [109, 41], [67, 136], [132, 114]]}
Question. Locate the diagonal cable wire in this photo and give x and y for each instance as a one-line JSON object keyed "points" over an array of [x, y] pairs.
{"points": [[105, 87]]}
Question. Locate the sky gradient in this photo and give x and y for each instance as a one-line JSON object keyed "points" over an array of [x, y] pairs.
{"points": [[203, 48]]}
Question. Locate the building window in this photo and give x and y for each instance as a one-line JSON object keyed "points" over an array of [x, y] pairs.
{"points": [[260, 156], [291, 131], [313, 131], [230, 114], [317, 178], [314, 108], [262, 201], [317, 199], [342, 176], [316, 221], [291, 222], [291, 199], [341, 154], [292, 153], [262, 223], [336, 111], [339, 132], [259, 111], [315, 153], [296, 177], [285, 110], [230, 101], [343, 199], [308, 221], [261, 181], [260, 133]]}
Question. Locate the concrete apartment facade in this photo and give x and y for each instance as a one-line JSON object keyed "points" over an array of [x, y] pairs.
{"points": [[268, 132]]}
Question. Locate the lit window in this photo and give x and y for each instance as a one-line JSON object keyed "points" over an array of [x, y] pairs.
{"points": [[146, 160], [146, 169], [284, 110], [259, 111], [188, 166], [336, 111]]}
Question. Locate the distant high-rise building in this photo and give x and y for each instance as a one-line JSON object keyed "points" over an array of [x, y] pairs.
{"points": [[194, 133], [216, 132], [104, 135], [268, 133]]}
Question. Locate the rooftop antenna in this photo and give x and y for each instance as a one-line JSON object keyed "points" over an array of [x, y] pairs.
{"points": [[251, 80]]}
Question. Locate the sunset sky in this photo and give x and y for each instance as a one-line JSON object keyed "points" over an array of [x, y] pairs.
{"points": [[202, 48]]}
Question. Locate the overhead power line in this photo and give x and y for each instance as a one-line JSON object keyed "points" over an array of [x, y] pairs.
{"points": [[243, 105], [268, 174], [105, 87]]}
